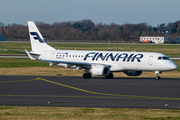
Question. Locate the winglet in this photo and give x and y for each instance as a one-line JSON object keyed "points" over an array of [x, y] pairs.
{"points": [[29, 55]]}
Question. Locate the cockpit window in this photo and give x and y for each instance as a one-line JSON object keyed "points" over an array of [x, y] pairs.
{"points": [[159, 58], [163, 58]]}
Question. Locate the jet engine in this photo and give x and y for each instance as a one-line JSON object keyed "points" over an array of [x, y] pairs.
{"points": [[99, 70], [133, 73]]}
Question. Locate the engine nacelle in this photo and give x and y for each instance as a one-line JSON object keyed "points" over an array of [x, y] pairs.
{"points": [[99, 70], [133, 73]]}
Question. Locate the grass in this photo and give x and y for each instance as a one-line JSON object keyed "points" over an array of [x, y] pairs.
{"points": [[74, 113], [13, 46], [24, 66], [21, 62], [169, 50]]}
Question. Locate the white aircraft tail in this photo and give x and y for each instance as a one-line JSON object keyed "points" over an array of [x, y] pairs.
{"points": [[37, 41]]}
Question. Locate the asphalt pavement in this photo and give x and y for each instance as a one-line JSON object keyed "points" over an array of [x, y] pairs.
{"points": [[95, 92]]}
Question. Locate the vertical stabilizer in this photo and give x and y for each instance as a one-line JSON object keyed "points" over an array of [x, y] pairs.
{"points": [[37, 41]]}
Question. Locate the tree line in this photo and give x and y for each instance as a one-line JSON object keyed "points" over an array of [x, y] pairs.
{"points": [[88, 30]]}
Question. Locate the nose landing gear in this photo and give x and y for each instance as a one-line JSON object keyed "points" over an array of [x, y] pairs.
{"points": [[157, 73], [157, 77]]}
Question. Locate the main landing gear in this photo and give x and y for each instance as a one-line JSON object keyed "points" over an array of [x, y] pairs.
{"points": [[86, 75], [109, 76], [157, 73]]}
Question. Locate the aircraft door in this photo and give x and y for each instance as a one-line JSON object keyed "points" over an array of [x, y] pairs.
{"points": [[150, 60]]}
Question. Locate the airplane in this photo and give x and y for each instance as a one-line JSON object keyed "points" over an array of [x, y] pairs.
{"points": [[97, 63]]}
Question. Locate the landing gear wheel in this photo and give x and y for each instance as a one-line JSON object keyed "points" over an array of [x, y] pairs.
{"points": [[157, 74], [86, 75], [109, 76], [157, 77], [89, 75]]}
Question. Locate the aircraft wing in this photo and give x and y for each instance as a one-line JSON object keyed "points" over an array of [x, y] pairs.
{"points": [[66, 62], [78, 64]]}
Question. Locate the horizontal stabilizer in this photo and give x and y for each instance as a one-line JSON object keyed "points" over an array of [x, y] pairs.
{"points": [[15, 51], [22, 52]]}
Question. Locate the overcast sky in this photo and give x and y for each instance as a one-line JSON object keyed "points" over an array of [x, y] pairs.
{"points": [[153, 12]]}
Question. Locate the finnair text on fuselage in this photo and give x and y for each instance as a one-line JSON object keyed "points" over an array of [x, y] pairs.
{"points": [[95, 56], [124, 56]]}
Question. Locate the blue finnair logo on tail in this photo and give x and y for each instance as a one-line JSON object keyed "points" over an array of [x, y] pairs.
{"points": [[37, 37]]}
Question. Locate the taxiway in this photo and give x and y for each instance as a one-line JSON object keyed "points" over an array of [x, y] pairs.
{"points": [[95, 92]]}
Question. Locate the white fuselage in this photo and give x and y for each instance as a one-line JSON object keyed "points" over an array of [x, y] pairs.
{"points": [[118, 61]]}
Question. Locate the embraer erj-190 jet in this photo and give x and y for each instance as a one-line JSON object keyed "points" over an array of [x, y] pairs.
{"points": [[98, 63]]}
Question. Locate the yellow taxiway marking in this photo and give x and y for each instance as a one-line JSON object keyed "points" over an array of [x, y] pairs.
{"points": [[118, 96], [108, 94]]}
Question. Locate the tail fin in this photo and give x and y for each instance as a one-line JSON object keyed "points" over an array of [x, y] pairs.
{"points": [[37, 41]]}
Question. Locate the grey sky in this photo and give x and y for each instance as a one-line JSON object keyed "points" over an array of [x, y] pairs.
{"points": [[153, 12]]}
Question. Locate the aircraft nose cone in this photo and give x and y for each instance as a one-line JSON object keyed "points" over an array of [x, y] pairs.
{"points": [[173, 66]]}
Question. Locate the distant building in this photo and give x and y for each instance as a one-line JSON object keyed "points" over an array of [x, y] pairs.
{"points": [[2, 38], [177, 40], [156, 40]]}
